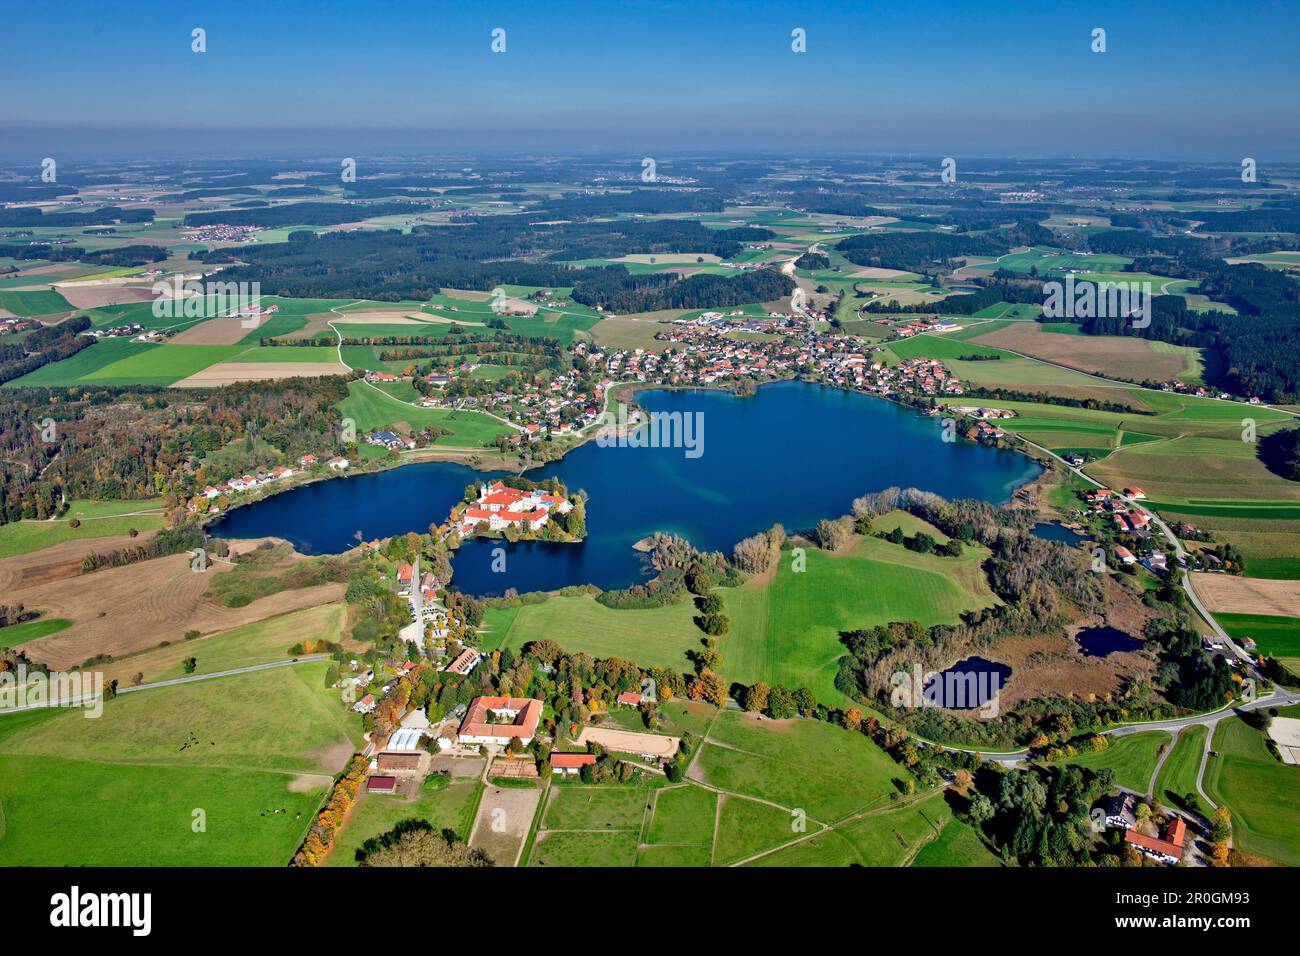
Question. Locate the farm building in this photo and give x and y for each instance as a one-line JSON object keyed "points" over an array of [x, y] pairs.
{"points": [[498, 720], [571, 764], [1168, 850], [406, 739], [408, 760]]}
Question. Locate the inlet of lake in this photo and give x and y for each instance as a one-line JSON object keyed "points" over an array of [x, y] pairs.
{"points": [[792, 453]]}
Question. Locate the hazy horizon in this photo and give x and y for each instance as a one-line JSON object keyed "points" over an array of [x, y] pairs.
{"points": [[1196, 81]]}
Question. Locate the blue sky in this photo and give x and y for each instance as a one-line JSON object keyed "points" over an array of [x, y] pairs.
{"points": [[1178, 80]]}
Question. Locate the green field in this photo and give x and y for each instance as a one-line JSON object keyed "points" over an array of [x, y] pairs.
{"points": [[446, 805], [565, 848], [748, 827], [683, 816], [16, 634], [788, 632], [585, 808], [26, 304], [657, 637], [1178, 775], [798, 764], [124, 362], [1276, 636], [1259, 789], [98, 519], [956, 846], [760, 792], [892, 836], [245, 751], [785, 632], [1133, 758], [371, 408]]}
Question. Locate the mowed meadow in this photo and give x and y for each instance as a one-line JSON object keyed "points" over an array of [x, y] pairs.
{"points": [[1195, 458], [223, 772], [785, 626], [758, 793]]}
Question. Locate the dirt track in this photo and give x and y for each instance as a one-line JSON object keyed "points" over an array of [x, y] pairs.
{"points": [[627, 741]]}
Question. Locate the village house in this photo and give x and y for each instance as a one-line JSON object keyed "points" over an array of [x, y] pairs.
{"points": [[1119, 811]]}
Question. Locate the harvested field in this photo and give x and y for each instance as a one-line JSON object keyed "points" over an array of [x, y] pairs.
{"points": [[91, 295], [625, 741], [872, 272], [671, 258], [135, 607], [222, 330], [226, 373], [1229, 594], [628, 332], [505, 815], [62, 560], [1120, 356], [319, 322]]}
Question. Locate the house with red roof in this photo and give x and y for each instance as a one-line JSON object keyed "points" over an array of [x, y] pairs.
{"points": [[1167, 850], [499, 720], [569, 765]]}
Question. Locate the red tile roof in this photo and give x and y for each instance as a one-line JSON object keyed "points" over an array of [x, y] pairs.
{"points": [[477, 723], [572, 760], [1152, 843]]}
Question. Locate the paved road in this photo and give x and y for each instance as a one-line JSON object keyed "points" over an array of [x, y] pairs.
{"points": [[339, 350], [1177, 546], [1279, 698], [182, 680]]}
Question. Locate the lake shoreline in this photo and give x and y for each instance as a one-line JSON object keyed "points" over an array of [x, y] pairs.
{"points": [[713, 500]]}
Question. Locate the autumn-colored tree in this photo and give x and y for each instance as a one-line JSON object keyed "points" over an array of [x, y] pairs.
{"points": [[756, 696], [853, 719]]}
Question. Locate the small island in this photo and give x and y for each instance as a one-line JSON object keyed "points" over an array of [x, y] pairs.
{"points": [[517, 509]]}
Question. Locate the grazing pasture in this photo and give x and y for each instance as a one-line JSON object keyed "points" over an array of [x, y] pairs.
{"points": [[250, 756], [1259, 789]]}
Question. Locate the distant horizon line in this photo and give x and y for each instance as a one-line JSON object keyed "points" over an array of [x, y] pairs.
{"points": [[153, 150]]}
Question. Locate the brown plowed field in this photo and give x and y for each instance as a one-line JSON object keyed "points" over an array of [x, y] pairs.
{"points": [[119, 610]]}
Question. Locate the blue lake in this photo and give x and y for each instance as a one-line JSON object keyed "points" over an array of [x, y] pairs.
{"points": [[793, 453], [1052, 531], [1102, 641], [969, 684]]}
